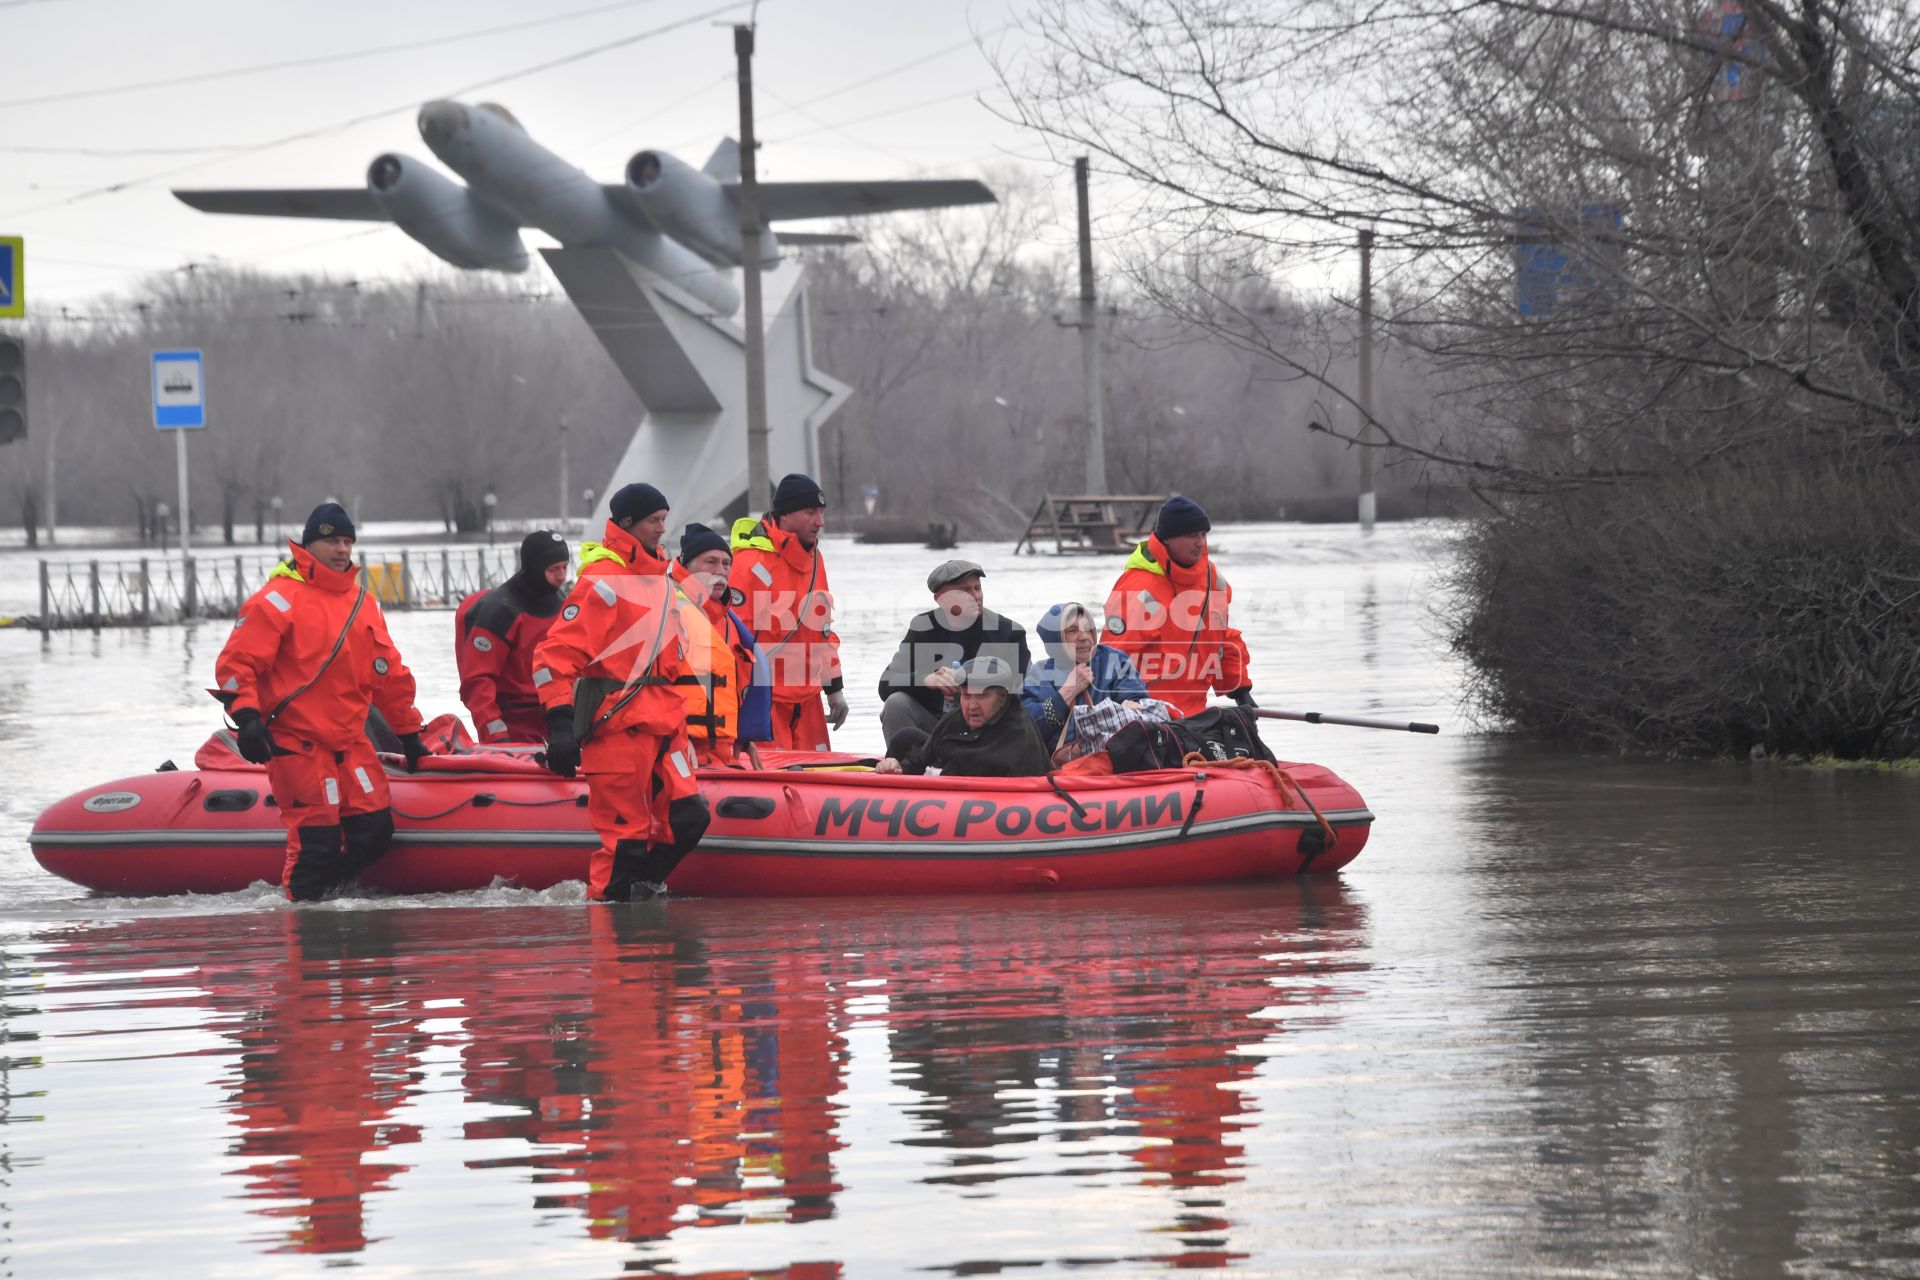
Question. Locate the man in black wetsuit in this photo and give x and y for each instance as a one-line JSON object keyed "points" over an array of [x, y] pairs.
{"points": [[494, 637]]}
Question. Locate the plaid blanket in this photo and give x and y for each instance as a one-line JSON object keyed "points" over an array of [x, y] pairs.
{"points": [[1094, 725]]}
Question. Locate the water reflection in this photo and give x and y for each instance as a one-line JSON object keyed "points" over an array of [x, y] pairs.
{"points": [[1714, 1008], [645, 1075], [328, 1050], [1118, 1042]]}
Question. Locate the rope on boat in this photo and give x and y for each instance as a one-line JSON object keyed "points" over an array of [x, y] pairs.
{"points": [[1282, 779], [481, 800]]}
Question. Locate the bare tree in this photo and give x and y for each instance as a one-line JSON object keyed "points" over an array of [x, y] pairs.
{"points": [[1720, 224], [1657, 273]]}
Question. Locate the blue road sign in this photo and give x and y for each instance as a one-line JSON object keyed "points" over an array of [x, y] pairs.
{"points": [[179, 390], [13, 277]]}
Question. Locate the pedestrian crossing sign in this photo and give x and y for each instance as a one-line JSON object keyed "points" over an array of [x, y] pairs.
{"points": [[13, 271]]}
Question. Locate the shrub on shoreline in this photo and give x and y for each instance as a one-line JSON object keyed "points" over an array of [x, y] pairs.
{"points": [[1774, 604]]}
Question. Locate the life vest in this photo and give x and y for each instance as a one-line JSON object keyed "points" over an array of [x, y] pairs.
{"points": [[717, 665]]}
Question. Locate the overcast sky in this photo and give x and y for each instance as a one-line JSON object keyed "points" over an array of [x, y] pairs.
{"points": [[884, 88]]}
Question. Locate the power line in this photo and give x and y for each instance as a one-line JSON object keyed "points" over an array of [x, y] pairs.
{"points": [[878, 76], [878, 115], [319, 60], [863, 82], [340, 126], [121, 153], [592, 145], [871, 146]]}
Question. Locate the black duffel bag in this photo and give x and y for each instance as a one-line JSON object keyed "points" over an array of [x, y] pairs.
{"points": [[1218, 733]]}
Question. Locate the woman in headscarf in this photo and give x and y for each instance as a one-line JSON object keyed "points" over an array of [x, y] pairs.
{"points": [[1079, 671]]}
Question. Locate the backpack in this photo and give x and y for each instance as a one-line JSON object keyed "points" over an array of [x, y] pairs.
{"points": [[1218, 733]]}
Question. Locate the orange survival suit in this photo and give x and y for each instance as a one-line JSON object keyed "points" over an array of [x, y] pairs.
{"points": [[612, 657], [1172, 621], [310, 652], [789, 608]]}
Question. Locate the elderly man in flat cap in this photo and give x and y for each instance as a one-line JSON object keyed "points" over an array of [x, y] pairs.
{"points": [[988, 735], [920, 685]]}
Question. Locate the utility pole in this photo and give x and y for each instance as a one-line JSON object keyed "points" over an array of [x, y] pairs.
{"points": [[53, 486], [1090, 339], [759, 481], [1366, 380], [564, 486]]}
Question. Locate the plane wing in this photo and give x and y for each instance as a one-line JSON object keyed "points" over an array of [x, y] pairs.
{"points": [[788, 201], [803, 238], [351, 204]]}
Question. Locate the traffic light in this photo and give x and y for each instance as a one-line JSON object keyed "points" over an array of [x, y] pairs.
{"points": [[13, 388]]}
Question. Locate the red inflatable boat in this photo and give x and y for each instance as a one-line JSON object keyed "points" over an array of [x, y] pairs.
{"points": [[806, 824]]}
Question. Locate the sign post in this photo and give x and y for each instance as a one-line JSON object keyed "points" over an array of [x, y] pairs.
{"points": [[179, 406], [13, 277]]}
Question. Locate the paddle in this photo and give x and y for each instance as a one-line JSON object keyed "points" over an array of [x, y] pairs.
{"points": [[1358, 722]]}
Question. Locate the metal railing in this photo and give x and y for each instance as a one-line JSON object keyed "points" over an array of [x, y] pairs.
{"points": [[158, 591]]}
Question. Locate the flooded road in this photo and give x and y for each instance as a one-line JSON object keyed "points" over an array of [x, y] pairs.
{"points": [[1565, 1015]]}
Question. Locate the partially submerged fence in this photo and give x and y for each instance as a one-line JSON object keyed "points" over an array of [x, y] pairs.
{"points": [[158, 590]]}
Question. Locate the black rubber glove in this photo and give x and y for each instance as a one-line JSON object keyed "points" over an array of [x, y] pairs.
{"points": [[414, 749], [255, 745], [1244, 696], [563, 753]]}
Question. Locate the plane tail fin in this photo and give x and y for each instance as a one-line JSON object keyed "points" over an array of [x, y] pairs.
{"points": [[724, 164]]}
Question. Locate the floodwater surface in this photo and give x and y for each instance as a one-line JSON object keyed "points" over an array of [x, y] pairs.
{"points": [[1565, 1015]]}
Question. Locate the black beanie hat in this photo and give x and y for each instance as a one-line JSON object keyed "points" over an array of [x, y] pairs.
{"points": [[539, 549], [698, 540], [637, 502], [1180, 515], [329, 520], [797, 493]]}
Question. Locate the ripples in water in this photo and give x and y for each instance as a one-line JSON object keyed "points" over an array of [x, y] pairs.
{"points": [[641, 1075]]}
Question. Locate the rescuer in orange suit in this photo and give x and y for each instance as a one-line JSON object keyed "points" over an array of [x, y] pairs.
{"points": [[605, 674], [726, 705], [495, 633], [308, 657], [1168, 612], [782, 579]]}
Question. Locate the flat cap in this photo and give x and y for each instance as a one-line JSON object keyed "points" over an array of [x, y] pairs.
{"points": [[950, 571], [985, 671]]}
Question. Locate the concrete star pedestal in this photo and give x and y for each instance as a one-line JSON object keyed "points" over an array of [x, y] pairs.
{"points": [[688, 366]]}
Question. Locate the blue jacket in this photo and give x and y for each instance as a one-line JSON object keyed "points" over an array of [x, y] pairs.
{"points": [[1114, 677]]}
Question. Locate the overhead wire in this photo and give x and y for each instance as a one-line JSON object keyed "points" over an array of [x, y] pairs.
{"points": [[786, 107], [121, 153], [318, 60], [550, 64], [790, 108], [858, 141], [876, 115], [878, 76]]}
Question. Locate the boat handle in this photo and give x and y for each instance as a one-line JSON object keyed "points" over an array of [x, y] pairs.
{"points": [[746, 807]]}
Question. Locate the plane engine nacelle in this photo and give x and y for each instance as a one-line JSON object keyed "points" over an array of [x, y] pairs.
{"points": [[692, 208], [443, 215]]}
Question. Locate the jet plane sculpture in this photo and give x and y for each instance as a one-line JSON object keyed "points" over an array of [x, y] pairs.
{"points": [[681, 223]]}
